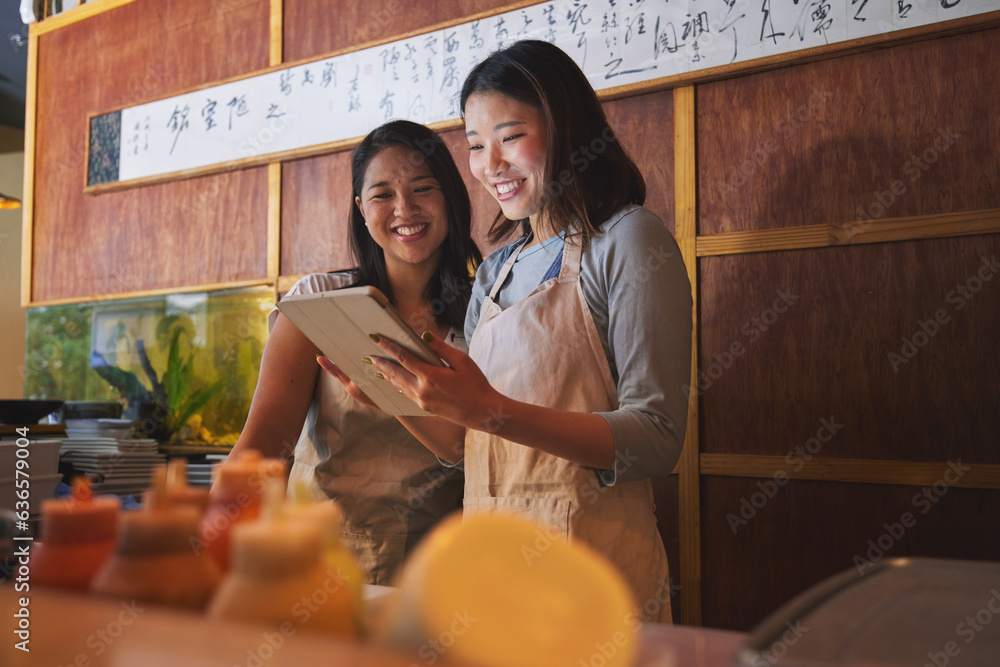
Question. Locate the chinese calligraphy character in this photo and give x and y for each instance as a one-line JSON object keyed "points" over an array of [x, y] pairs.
{"points": [[286, 83], [501, 33], [208, 113], [329, 75], [272, 111], [178, 123], [237, 105], [386, 104], [476, 40]]}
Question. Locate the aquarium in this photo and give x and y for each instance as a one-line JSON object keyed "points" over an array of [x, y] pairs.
{"points": [[183, 365]]}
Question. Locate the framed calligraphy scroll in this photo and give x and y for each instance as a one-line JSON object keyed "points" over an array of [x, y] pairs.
{"points": [[327, 104]]}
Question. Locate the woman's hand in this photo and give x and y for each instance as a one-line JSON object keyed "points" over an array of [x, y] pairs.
{"points": [[458, 392], [349, 386]]}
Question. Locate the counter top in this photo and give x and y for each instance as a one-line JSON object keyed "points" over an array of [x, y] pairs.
{"points": [[83, 631]]}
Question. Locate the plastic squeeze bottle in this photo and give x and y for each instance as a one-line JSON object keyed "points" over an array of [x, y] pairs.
{"points": [[78, 536], [236, 496], [279, 577], [328, 517], [156, 559], [178, 490]]}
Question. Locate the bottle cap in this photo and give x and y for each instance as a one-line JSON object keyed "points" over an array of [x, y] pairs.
{"points": [[80, 518], [160, 526], [275, 547]]}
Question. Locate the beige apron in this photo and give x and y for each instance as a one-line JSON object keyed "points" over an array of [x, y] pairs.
{"points": [[545, 350], [392, 489]]}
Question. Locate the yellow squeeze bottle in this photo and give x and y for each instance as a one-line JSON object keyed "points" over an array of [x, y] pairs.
{"points": [[338, 558], [279, 577]]}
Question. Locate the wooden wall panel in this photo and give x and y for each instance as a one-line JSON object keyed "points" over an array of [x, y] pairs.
{"points": [[313, 27], [640, 124], [809, 531], [200, 231], [315, 203], [814, 143], [826, 357]]}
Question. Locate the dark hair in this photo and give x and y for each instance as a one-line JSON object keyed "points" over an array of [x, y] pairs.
{"points": [[588, 174], [449, 289]]}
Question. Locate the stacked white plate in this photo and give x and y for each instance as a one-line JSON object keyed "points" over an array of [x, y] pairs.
{"points": [[200, 474], [106, 450], [99, 428]]}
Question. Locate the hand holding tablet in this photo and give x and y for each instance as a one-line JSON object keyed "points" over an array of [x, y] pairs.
{"points": [[339, 322]]}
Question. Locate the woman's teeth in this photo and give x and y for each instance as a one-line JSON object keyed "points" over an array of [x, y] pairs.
{"points": [[504, 188], [409, 230]]}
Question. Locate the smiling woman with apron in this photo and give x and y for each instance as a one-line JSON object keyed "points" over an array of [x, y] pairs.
{"points": [[545, 349], [409, 234], [572, 395]]}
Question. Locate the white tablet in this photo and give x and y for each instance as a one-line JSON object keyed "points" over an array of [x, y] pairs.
{"points": [[338, 323]]}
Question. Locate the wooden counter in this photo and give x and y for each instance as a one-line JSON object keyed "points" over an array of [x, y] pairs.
{"points": [[83, 631]]}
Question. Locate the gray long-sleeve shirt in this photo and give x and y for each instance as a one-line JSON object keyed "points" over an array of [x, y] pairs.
{"points": [[636, 287]]}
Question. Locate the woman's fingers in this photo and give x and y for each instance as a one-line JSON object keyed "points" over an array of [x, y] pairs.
{"points": [[412, 362], [349, 386], [449, 354], [459, 392]]}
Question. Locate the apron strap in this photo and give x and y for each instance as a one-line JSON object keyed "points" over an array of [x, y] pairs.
{"points": [[505, 269], [568, 272], [570, 269]]}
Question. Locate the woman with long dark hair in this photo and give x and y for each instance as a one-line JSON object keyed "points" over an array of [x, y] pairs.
{"points": [[409, 232], [571, 397]]}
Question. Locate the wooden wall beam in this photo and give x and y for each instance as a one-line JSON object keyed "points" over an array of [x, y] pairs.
{"points": [[166, 291], [78, 13], [276, 56], [861, 471], [686, 228], [28, 195], [942, 225]]}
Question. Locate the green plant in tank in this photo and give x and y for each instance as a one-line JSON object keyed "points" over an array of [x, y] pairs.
{"points": [[170, 401]]}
